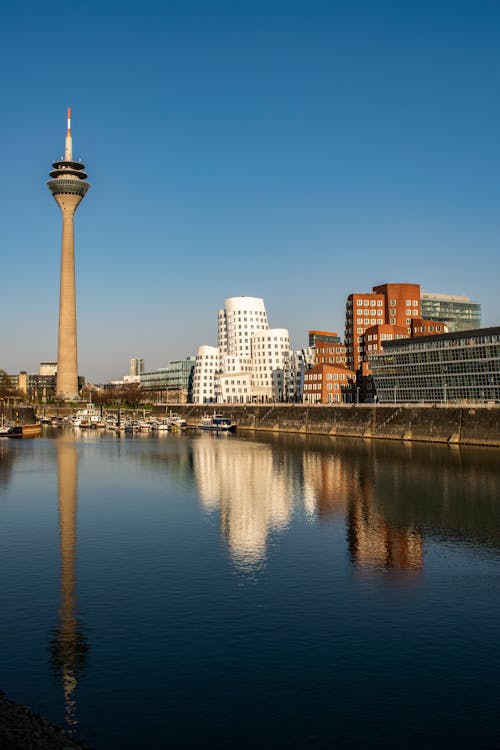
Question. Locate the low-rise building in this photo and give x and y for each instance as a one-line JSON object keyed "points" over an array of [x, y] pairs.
{"points": [[170, 384], [456, 367], [327, 384]]}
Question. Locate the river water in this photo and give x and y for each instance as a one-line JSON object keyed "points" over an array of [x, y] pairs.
{"points": [[193, 591]]}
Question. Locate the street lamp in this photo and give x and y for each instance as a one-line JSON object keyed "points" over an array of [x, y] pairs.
{"points": [[395, 389]]}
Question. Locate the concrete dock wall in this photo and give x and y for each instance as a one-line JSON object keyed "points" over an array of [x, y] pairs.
{"points": [[461, 425], [20, 414]]}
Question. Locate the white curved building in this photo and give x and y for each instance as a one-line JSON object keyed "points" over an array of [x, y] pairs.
{"points": [[206, 366], [240, 319], [270, 351], [250, 360]]}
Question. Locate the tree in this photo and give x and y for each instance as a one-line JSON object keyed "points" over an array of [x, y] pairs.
{"points": [[7, 390]]}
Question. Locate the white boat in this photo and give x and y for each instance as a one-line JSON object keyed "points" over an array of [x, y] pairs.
{"points": [[175, 422], [160, 425], [5, 425], [88, 417], [217, 423]]}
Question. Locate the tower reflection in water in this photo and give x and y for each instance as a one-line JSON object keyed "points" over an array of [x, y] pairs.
{"points": [[68, 644], [252, 493]]}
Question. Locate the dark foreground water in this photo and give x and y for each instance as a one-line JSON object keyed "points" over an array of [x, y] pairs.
{"points": [[199, 592]]}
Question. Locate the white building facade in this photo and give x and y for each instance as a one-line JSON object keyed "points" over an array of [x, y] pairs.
{"points": [[251, 357], [297, 364], [136, 366], [270, 350], [206, 366]]}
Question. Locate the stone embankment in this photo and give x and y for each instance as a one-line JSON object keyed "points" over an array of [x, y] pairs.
{"points": [[21, 729], [20, 414], [467, 425]]}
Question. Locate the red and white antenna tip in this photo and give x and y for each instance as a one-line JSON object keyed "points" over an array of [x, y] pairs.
{"points": [[69, 120]]}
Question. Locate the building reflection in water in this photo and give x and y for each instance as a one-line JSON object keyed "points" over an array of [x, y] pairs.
{"points": [[327, 481], [252, 492], [373, 542], [346, 485], [252, 485], [68, 644]]}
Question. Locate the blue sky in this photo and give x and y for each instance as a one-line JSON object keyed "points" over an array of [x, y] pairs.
{"points": [[295, 151]]}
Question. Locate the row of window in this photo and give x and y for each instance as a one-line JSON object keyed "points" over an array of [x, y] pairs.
{"points": [[328, 376], [368, 321], [331, 360], [329, 350]]}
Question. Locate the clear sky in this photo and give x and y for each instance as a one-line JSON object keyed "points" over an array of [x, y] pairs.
{"points": [[295, 151]]}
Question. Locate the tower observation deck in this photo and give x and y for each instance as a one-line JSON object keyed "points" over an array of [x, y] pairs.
{"points": [[68, 186]]}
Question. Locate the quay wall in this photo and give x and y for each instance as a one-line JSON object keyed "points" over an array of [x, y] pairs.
{"points": [[468, 425], [20, 414]]}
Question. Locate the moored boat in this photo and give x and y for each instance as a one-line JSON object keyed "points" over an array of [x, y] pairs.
{"points": [[25, 430], [5, 429], [175, 422], [160, 425], [217, 423], [88, 417], [5, 426]]}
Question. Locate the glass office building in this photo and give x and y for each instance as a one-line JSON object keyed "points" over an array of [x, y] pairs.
{"points": [[459, 313], [172, 382], [451, 368]]}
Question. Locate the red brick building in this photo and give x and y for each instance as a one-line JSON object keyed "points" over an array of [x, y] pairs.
{"points": [[328, 384], [386, 305], [330, 353], [421, 327], [375, 335]]}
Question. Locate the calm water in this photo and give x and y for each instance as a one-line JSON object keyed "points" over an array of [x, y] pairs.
{"points": [[191, 591]]}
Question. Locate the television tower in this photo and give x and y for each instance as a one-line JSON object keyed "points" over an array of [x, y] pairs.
{"points": [[68, 186]]}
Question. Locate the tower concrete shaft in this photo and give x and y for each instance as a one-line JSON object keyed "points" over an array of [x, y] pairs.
{"points": [[68, 186]]}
